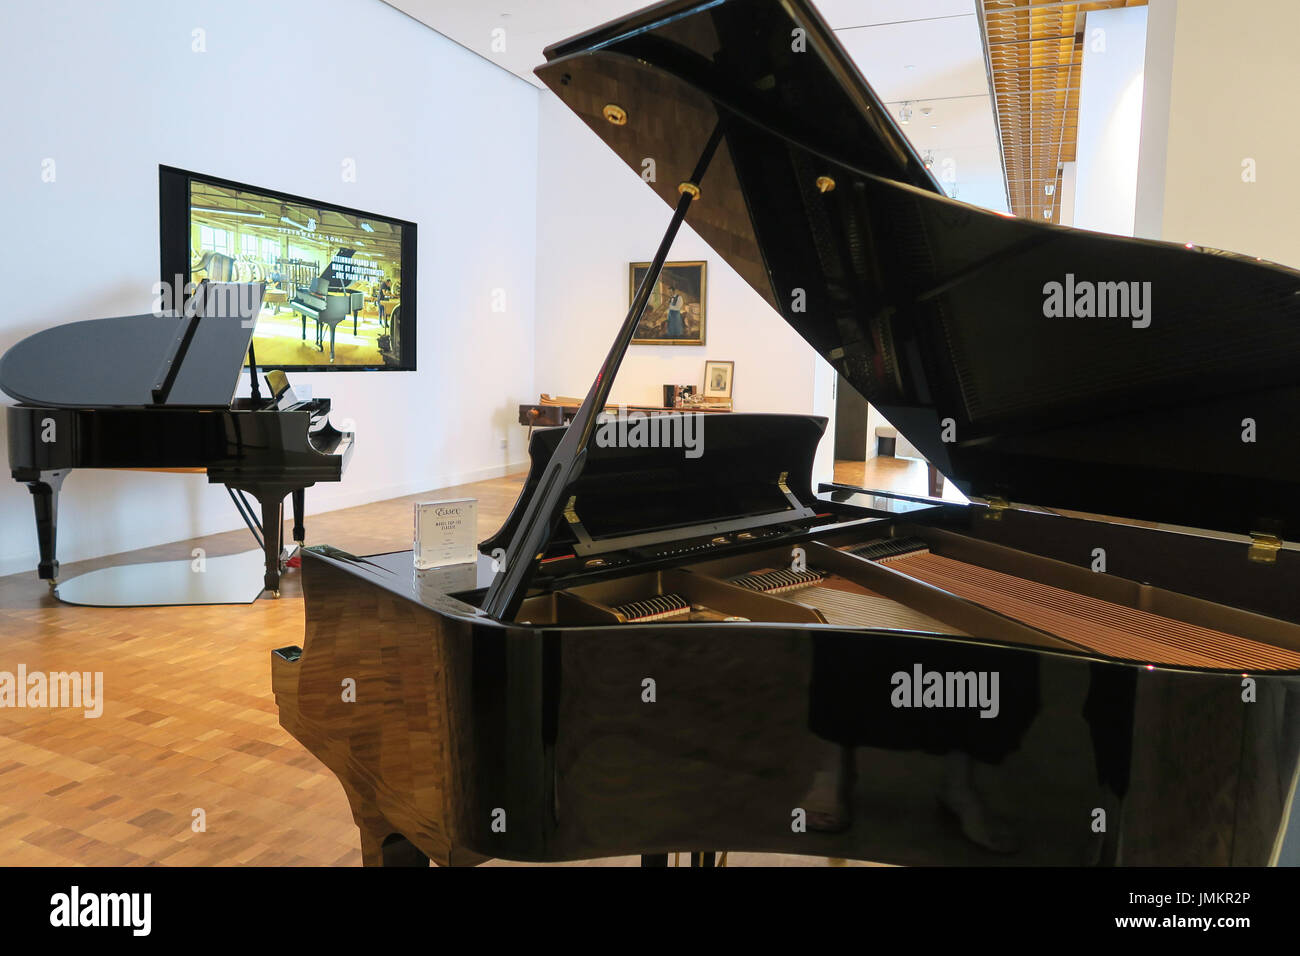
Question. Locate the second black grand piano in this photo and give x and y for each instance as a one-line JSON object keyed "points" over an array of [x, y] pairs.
{"points": [[158, 392]]}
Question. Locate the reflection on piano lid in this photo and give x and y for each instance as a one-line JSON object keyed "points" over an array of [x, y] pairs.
{"points": [[1057, 665]]}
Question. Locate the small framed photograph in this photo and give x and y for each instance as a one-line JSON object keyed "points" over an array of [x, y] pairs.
{"points": [[675, 312], [717, 380]]}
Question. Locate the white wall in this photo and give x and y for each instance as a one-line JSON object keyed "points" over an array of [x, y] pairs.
{"points": [[594, 217], [283, 94], [1233, 76], [1157, 87], [1110, 120], [1069, 176]]}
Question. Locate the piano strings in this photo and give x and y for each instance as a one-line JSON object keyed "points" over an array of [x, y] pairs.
{"points": [[1091, 623]]}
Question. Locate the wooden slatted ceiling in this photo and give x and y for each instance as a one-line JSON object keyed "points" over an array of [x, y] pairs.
{"points": [[1035, 54]]}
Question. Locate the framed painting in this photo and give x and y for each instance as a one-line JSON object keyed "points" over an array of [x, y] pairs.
{"points": [[675, 314]]}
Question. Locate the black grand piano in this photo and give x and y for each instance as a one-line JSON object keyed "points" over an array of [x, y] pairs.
{"points": [[662, 651], [157, 392], [327, 307]]}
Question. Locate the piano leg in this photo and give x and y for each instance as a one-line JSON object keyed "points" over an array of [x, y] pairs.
{"points": [[271, 498], [399, 851], [299, 533], [661, 859], [304, 326], [44, 486], [381, 845], [333, 328], [272, 538]]}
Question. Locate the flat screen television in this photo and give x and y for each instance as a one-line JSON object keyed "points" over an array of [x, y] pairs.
{"points": [[339, 282]]}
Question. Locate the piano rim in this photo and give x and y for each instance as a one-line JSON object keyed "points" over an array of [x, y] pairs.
{"points": [[457, 608]]}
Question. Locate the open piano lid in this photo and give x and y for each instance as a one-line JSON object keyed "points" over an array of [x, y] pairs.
{"points": [[187, 360], [1180, 409]]}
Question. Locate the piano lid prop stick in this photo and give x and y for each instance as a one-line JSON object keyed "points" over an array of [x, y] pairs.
{"points": [[254, 391], [546, 506]]}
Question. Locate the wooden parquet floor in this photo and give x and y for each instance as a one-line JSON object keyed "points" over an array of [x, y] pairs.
{"points": [[189, 723]]}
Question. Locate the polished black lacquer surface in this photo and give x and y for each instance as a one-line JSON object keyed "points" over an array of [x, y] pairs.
{"points": [[108, 363], [268, 453], [460, 718]]}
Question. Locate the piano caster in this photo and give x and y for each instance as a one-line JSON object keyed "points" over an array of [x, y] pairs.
{"points": [[52, 583], [275, 594]]}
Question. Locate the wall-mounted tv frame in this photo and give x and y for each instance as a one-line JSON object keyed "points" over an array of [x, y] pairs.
{"points": [[340, 282]]}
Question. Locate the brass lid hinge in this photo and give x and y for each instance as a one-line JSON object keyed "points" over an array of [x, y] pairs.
{"points": [[576, 526], [782, 482], [995, 508], [1264, 547]]}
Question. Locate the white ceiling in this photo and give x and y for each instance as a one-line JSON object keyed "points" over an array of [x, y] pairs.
{"points": [[924, 52]]}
